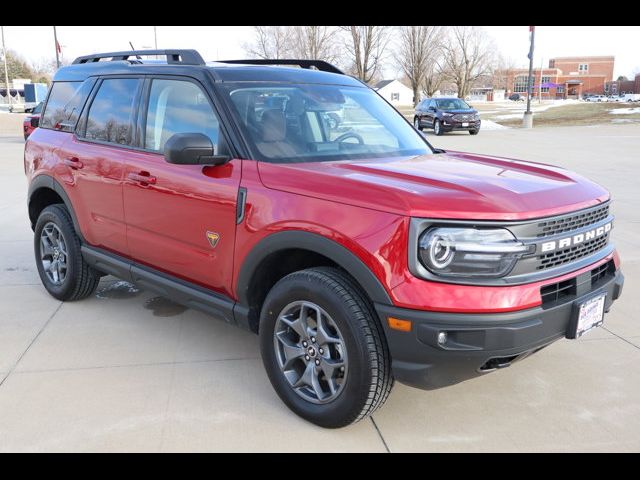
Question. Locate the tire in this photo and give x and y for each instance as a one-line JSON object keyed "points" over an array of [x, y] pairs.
{"points": [[75, 281], [474, 132], [367, 379], [416, 124], [437, 129]]}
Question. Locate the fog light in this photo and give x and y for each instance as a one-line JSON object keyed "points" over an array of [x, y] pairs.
{"points": [[442, 338]]}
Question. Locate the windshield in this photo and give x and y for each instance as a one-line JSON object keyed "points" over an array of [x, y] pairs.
{"points": [[452, 104], [313, 123], [37, 108]]}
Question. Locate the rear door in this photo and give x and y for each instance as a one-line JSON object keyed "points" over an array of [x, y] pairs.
{"points": [[181, 219], [95, 157]]}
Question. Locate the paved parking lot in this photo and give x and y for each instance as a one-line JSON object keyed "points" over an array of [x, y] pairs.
{"points": [[125, 370]]}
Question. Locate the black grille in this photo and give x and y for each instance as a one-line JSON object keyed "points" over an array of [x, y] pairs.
{"points": [[558, 291], [570, 254], [572, 222], [602, 272]]}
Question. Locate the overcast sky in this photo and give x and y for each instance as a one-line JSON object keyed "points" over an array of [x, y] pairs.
{"points": [[226, 42]]}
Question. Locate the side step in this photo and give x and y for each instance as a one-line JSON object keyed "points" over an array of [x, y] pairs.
{"points": [[180, 291]]}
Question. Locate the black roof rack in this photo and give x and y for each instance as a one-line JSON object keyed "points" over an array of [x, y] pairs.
{"points": [[179, 57], [319, 64]]}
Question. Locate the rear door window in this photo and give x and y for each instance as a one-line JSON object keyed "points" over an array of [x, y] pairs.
{"points": [[64, 104], [110, 117]]}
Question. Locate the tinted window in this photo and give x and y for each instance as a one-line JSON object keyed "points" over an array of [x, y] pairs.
{"points": [[64, 104], [311, 123], [452, 104], [37, 109], [177, 106], [110, 116]]}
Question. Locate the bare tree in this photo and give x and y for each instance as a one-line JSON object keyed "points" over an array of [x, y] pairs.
{"points": [[366, 47], [315, 43], [419, 49], [273, 42], [468, 55]]}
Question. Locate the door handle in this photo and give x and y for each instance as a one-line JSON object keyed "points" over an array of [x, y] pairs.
{"points": [[73, 162], [144, 178]]}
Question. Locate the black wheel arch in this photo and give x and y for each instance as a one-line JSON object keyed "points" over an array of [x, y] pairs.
{"points": [[38, 186], [306, 241]]}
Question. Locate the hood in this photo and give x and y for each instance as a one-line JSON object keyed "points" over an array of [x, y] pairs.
{"points": [[449, 185]]}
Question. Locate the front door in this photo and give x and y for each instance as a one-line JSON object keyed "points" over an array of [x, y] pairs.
{"points": [[181, 219]]}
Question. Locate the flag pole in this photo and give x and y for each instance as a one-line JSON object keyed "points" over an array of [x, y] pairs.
{"points": [[527, 120], [55, 39], [6, 70]]}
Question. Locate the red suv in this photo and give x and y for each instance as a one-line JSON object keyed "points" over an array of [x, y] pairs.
{"points": [[298, 204]]}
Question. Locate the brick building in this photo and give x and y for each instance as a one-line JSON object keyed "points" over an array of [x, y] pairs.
{"points": [[566, 77], [619, 87]]}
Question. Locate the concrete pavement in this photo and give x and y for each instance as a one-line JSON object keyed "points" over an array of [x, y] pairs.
{"points": [[128, 371]]}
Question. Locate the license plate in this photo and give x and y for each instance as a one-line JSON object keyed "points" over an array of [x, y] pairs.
{"points": [[465, 124], [590, 315]]}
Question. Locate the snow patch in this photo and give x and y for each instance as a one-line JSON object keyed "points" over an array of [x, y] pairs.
{"points": [[624, 111], [489, 125]]}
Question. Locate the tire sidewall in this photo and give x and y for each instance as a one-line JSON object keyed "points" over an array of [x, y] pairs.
{"points": [[437, 127], [354, 393], [52, 214]]}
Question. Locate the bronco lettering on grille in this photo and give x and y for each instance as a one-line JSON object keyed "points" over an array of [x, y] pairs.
{"points": [[576, 239]]}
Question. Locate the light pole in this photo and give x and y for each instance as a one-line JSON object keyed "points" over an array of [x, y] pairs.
{"points": [[6, 70], [527, 120], [155, 37]]}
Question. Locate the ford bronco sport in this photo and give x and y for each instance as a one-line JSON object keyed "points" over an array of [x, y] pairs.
{"points": [[298, 204]]}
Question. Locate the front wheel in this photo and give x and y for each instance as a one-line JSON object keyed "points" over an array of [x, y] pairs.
{"points": [[323, 348], [437, 128], [416, 124], [474, 132]]}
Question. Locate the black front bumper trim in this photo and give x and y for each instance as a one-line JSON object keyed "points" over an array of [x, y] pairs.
{"points": [[473, 341]]}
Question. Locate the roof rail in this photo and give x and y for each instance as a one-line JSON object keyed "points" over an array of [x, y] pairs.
{"points": [[319, 64], [181, 57]]}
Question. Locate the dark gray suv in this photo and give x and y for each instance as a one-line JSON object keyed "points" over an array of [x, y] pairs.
{"points": [[446, 115]]}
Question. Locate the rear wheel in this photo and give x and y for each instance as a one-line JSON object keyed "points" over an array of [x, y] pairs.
{"points": [[323, 348], [62, 270]]}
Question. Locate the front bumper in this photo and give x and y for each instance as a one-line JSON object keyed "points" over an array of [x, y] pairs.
{"points": [[450, 125], [478, 343]]}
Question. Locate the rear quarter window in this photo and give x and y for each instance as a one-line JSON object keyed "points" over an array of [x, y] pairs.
{"points": [[64, 105]]}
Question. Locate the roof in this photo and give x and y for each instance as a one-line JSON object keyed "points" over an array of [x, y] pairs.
{"points": [[221, 72], [383, 83]]}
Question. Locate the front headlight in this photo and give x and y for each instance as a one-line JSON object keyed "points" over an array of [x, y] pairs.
{"points": [[476, 116], [469, 252], [447, 114]]}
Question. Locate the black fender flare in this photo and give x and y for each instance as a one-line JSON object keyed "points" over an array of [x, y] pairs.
{"points": [[47, 181], [297, 239]]}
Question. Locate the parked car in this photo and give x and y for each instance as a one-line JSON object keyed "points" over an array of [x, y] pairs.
{"points": [[357, 251], [631, 97], [30, 122], [596, 98], [516, 97], [446, 115]]}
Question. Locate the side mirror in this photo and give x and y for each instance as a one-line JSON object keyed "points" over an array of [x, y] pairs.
{"points": [[35, 122], [192, 149]]}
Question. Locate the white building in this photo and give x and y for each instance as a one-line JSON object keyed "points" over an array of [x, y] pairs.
{"points": [[395, 92]]}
